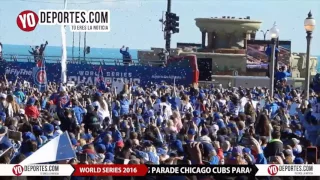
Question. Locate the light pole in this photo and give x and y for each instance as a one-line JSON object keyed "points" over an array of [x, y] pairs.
{"points": [[264, 33], [274, 33], [309, 25], [264, 37]]}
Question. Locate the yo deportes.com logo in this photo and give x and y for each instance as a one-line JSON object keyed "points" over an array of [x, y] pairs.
{"points": [[78, 20], [273, 170], [17, 170]]}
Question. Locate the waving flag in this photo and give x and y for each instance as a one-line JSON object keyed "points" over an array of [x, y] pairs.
{"points": [[101, 83], [40, 76]]}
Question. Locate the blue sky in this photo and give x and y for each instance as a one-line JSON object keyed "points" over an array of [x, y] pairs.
{"points": [[134, 23]]}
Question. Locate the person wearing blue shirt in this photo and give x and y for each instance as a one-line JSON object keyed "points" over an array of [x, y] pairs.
{"points": [[282, 73], [107, 142], [124, 105], [20, 95], [78, 111], [272, 108]]}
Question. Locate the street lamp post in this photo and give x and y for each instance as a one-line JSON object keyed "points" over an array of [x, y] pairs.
{"points": [[274, 33], [264, 34], [264, 37], [309, 25]]}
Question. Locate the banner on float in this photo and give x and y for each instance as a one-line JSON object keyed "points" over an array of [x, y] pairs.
{"points": [[89, 73]]}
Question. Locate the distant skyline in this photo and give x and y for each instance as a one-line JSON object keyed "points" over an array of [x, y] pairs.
{"points": [[135, 23]]}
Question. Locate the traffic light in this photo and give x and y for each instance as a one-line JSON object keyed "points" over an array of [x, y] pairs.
{"points": [[172, 22]]}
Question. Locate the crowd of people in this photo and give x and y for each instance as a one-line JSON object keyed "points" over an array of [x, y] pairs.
{"points": [[162, 124]]}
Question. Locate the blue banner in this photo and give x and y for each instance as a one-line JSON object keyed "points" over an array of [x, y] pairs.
{"points": [[39, 76], [89, 74]]}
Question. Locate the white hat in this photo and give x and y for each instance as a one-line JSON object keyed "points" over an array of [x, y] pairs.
{"points": [[21, 111], [57, 122], [214, 128], [2, 95], [295, 141], [154, 93]]}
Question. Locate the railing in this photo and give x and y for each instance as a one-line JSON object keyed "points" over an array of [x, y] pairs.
{"points": [[87, 60]]}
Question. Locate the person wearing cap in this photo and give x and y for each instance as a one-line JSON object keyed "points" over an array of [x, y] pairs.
{"points": [[248, 156], [196, 117], [74, 143], [31, 110], [294, 143], [48, 130], [191, 135], [38, 134], [78, 110], [29, 144], [162, 153]]}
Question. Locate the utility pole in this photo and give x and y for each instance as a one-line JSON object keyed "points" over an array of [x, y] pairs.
{"points": [[168, 34]]}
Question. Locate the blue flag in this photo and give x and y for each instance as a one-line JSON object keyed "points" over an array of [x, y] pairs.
{"points": [[57, 149], [101, 83], [40, 76]]}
